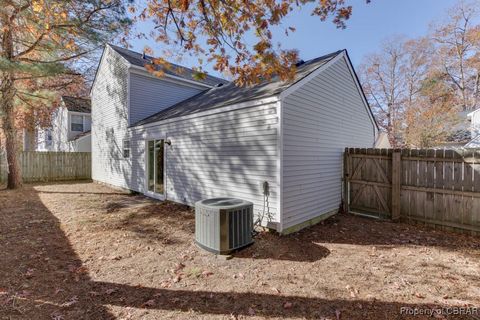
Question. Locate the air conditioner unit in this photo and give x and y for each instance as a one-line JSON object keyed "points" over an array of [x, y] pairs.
{"points": [[223, 225]]}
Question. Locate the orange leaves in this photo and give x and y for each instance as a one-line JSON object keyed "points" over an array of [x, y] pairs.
{"points": [[37, 5], [217, 32], [148, 50], [262, 46], [184, 4], [212, 41], [198, 75], [70, 45]]}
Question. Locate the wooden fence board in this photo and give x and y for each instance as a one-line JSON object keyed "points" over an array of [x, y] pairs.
{"points": [[51, 166], [435, 187], [475, 219]]}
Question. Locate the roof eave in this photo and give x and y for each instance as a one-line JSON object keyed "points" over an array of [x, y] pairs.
{"points": [[235, 106]]}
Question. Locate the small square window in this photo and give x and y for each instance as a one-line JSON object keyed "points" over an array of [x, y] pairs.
{"points": [[126, 148], [77, 123]]}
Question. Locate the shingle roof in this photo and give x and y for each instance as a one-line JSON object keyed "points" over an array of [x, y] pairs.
{"points": [[230, 93], [77, 104], [462, 135], [83, 134], [474, 143], [136, 59]]}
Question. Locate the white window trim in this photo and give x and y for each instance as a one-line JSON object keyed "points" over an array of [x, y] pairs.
{"points": [[84, 120], [158, 136]]}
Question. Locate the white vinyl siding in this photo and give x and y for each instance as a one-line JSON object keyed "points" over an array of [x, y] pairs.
{"points": [[110, 121], [475, 125], [60, 130], [63, 121], [149, 95], [232, 152], [320, 119], [225, 154]]}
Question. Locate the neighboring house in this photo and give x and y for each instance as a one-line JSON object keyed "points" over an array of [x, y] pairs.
{"points": [[382, 140], [460, 132], [474, 118], [276, 144], [70, 130]]}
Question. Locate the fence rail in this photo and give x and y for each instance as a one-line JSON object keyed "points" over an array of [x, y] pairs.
{"points": [[436, 187], [51, 166]]}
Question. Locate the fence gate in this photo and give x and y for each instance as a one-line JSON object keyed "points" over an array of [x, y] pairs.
{"points": [[429, 186], [368, 173]]}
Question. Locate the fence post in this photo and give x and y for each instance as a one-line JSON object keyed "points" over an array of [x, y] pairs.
{"points": [[346, 171], [396, 183]]}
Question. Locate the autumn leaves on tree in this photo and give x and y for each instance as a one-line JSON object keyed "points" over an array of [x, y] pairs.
{"points": [[234, 35], [42, 43], [416, 87]]}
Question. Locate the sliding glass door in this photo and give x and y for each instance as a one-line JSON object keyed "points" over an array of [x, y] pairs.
{"points": [[155, 166]]}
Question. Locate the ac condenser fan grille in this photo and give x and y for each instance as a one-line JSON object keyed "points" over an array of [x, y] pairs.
{"points": [[223, 224]]}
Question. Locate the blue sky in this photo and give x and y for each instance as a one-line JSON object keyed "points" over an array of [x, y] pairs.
{"points": [[369, 26]]}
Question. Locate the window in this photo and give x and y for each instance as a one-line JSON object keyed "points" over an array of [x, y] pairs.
{"points": [[49, 138], [77, 123], [126, 148], [88, 123]]}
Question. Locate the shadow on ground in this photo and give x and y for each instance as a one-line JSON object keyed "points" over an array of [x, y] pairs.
{"points": [[358, 230], [292, 248], [43, 277]]}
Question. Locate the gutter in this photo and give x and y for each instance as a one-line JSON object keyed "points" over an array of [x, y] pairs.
{"points": [[236, 106]]}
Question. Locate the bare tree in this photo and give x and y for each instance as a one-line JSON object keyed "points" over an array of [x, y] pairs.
{"points": [[418, 87], [384, 84], [457, 43]]}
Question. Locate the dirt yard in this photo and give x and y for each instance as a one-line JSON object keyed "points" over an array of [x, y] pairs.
{"points": [[85, 251]]}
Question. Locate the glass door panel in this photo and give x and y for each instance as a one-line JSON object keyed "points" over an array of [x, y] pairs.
{"points": [[159, 148], [151, 166], [155, 166]]}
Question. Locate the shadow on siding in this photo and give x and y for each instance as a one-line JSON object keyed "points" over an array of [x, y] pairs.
{"points": [[219, 166]]}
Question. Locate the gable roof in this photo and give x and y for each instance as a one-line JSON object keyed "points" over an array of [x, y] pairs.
{"points": [[77, 104], [474, 143], [470, 114], [136, 59], [228, 94]]}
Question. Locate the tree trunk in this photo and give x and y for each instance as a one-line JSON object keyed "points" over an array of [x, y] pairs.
{"points": [[8, 125], [7, 93]]}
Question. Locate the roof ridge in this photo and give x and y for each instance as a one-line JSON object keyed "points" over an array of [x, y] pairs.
{"points": [[127, 51]]}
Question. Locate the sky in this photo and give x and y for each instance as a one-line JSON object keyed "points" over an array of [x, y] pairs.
{"points": [[368, 27]]}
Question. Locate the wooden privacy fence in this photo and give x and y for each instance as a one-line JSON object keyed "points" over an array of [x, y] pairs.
{"points": [[51, 166], [436, 187]]}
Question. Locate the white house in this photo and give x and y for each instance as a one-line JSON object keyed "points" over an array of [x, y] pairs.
{"points": [[474, 118], [70, 130], [276, 144]]}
